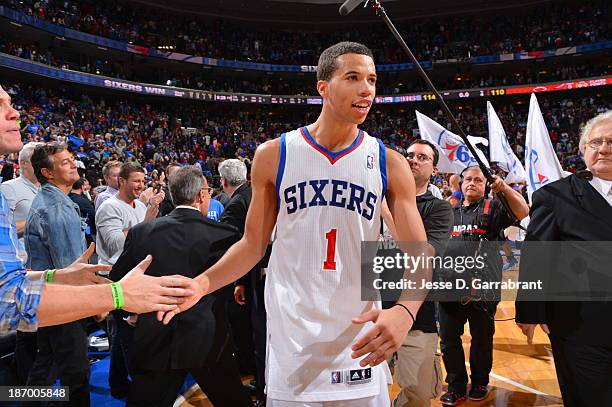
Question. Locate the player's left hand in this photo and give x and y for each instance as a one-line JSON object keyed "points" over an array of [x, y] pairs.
{"points": [[497, 185], [386, 336]]}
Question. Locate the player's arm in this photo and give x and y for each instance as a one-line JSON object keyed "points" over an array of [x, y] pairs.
{"points": [[392, 325], [142, 293], [385, 214], [260, 221]]}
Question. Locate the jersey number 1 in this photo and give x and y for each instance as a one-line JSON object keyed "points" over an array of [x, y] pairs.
{"points": [[330, 262]]}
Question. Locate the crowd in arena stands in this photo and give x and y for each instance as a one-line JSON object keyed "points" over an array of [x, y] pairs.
{"points": [[548, 26], [387, 83], [154, 136]]}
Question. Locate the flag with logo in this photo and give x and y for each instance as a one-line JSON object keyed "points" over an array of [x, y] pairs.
{"points": [[500, 150], [454, 154], [541, 163]]}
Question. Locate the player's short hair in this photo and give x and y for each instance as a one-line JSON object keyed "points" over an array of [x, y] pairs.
{"points": [[234, 171], [327, 61], [436, 153], [588, 128]]}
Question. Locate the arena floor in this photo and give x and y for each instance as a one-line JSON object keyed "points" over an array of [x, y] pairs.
{"points": [[523, 375]]}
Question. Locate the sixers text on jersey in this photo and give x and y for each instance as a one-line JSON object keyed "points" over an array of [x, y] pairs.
{"points": [[330, 192]]}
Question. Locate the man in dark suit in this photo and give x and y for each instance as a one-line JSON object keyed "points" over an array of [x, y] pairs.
{"points": [[249, 289], [198, 342], [576, 208]]}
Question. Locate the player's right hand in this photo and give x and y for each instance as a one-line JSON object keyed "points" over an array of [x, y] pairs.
{"points": [[240, 294], [144, 293], [529, 329], [200, 289]]}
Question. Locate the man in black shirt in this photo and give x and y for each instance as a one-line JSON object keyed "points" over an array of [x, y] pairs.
{"points": [[88, 211], [477, 219], [418, 369]]}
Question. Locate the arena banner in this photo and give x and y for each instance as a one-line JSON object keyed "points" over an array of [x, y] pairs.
{"points": [[64, 32], [24, 65]]}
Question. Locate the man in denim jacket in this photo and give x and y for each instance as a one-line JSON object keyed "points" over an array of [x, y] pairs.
{"points": [[27, 302], [54, 238]]}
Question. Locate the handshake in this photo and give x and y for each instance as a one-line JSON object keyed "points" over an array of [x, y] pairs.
{"points": [[77, 292]]}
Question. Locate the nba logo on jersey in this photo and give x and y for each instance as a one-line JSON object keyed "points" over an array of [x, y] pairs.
{"points": [[370, 162]]}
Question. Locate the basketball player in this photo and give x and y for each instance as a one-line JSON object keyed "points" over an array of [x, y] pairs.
{"points": [[322, 186]]}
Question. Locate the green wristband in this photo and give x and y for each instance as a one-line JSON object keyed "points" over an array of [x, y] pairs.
{"points": [[118, 299], [49, 275]]}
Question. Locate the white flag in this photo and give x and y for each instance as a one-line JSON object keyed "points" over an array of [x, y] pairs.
{"points": [[454, 154], [500, 150], [541, 162]]}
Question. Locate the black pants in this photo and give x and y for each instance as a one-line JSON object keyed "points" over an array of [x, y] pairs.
{"points": [[453, 317], [62, 353], [220, 381], [584, 373], [255, 303], [25, 353], [121, 334]]}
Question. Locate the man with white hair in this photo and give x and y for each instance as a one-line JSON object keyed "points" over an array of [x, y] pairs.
{"points": [[577, 209], [20, 192], [233, 175]]}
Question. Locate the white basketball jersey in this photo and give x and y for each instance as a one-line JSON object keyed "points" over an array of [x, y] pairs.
{"points": [[328, 204]]}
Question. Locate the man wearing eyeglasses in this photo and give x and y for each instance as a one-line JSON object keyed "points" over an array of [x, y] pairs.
{"points": [[575, 208], [418, 158], [478, 223]]}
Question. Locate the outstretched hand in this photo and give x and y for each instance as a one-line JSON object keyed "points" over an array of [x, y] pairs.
{"points": [[144, 293], [82, 273], [386, 336], [199, 291]]}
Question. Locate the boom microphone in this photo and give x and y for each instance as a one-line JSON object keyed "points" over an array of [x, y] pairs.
{"points": [[348, 6]]}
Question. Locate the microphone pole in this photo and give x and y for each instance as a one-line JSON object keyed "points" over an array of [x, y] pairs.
{"points": [[350, 5]]}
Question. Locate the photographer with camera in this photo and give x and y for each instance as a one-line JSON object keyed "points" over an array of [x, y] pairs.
{"points": [[477, 220]]}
